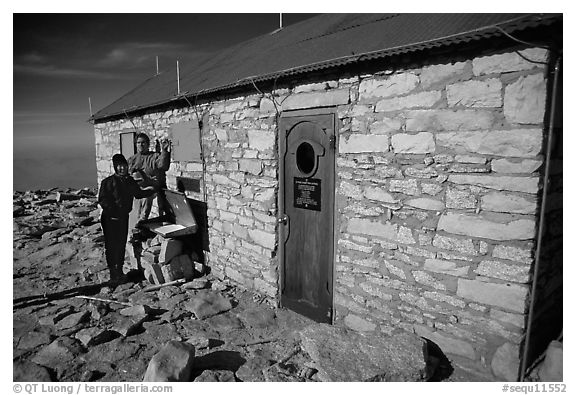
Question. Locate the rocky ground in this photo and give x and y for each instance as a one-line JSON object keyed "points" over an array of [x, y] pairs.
{"points": [[70, 325]]}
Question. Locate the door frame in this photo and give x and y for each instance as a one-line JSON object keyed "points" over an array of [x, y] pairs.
{"points": [[280, 198]]}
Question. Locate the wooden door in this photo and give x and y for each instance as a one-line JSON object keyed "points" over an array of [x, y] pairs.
{"points": [[307, 214]]}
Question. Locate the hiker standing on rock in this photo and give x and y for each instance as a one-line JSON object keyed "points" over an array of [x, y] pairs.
{"points": [[154, 165], [115, 196]]}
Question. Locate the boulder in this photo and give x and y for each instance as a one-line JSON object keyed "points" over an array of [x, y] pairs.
{"points": [[135, 310], [72, 320], [28, 371], [172, 363], [94, 336], [551, 369], [216, 376], [344, 355], [208, 304], [257, 317], [127, 326], [61, 350], [33, 339]]}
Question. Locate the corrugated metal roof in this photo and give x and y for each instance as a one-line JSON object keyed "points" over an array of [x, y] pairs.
{"points": [[324, 41]]}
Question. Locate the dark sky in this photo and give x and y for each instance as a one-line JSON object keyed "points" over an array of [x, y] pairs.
{"points": [[60, 60]]}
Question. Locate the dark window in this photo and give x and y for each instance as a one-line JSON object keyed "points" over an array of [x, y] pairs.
{"points": [[305, 158]]}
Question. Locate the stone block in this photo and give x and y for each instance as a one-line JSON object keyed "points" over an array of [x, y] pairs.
{"points": [[267, 106], [385, 126], [446, 267], [502, 183], [506, 361], [420, 143], [264, 239], [431, 189], [342, 355], [464, 246], [509, 166], [394, 85], [516, 142], [468, 168], [358, 324], [265, 287], [395, 270], [404, 235], [169, 249], [470, 159], [507, 296], [407, 187], [440, 297], [426, 279], [503, 271], [334, 97], [509, 318], [508, 203], [261, 140], [513, 253], [252, 166], [378, 194], [438, 73], [456, 198], [509, 62], [447, 344], [350, 190], [525, 100], [419, 172], [153, 272], [425, 204], [357, 143], [476, 226], [485, 93], [172, 363], [372, 228], [353, 246], [442, 120], [179, 267], [421, 99]]}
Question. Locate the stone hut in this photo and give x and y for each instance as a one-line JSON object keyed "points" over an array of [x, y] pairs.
{"points": [[383, 172]]}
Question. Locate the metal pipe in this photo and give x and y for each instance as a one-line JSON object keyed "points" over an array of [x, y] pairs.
{"points": [[157, 69], [540, 234], [178, 75], [90, 105]]}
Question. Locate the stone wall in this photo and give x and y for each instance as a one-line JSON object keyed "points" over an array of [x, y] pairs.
{"points": [[438, 178], [241, 182], [438, 215]]}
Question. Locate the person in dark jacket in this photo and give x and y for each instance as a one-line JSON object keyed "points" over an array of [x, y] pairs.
{"points": [[115, 196]]}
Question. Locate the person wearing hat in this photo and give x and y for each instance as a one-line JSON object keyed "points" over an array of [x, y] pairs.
{"points": [[115, 197]]}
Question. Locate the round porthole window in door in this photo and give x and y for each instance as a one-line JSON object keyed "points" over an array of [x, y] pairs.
{"points": [[305, 158]]}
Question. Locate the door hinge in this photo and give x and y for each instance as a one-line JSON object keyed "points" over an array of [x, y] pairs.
{"points": [[333, 141]]}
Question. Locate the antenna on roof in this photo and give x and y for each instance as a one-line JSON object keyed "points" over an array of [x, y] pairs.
{"points": [[157, 70], [178, 75], [90, 105], [280, 20]]}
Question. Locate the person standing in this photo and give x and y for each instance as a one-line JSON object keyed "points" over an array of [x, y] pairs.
{"points": [[115, 196], [154, 165]]}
